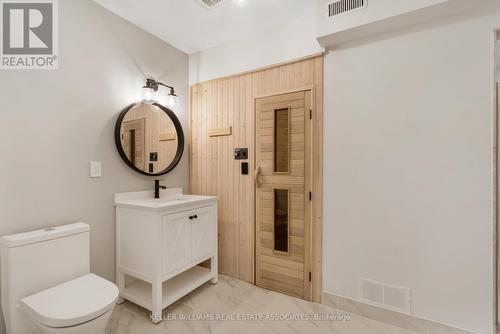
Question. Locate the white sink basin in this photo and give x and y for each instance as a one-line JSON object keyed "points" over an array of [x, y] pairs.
{"points": [[169, 198]]}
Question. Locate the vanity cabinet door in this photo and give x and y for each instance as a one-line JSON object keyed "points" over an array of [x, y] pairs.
{"points": [[176, 241], [202, 234]]}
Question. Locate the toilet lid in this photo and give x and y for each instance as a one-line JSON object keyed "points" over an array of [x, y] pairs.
{"points": [[72, 303]]}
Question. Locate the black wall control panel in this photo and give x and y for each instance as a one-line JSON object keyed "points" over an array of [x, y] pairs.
{"points": [[241, 153], [244, 168]]}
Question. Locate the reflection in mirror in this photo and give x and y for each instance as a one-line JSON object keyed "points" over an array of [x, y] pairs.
{"points": [[281, 220], [281, 141], [149, 138]]}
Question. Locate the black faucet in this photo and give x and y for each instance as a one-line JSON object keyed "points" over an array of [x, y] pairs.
{"points": [[158, 187]]}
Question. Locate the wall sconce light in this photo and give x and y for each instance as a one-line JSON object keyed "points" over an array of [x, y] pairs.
{"points": [[152, 86]]}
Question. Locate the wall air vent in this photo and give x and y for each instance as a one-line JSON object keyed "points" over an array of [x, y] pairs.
{"points": [[392, 297], [345, 6], [210, 3]]}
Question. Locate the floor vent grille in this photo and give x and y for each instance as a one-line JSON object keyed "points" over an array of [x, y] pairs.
{"points": [[344, 6], [389, 296]]}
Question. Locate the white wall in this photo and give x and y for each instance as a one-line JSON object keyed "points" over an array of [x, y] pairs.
{"points": [[284, 43], [55, 122], [408, 169]]}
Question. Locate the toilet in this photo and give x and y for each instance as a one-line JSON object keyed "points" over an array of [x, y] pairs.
{"points": [[47, 287]]}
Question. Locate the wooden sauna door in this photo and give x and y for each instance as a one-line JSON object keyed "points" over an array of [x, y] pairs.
{"points": [[283, 184]]}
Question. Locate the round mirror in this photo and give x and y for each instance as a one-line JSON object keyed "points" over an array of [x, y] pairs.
{"points": [[149, 138]]}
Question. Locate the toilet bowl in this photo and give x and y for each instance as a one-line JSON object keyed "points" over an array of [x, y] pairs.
{"points": [[47, 286], [81, 306], [96, 326]]}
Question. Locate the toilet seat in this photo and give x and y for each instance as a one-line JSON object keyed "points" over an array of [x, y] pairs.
{"points": [[72, 303]]}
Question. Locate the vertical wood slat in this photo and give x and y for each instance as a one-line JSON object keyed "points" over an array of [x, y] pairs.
{"points": [[213, 171], [247, 257], [317, 221], [235, 175]]}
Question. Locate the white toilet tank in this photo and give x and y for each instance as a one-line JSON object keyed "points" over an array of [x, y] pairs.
{"points": [[38, 260]]}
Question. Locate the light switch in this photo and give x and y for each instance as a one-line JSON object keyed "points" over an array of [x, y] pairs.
{"points": [[95, 169]]}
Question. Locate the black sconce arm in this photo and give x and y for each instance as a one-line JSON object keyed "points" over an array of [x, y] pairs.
{"points": [[162, 84], [153, 84]]}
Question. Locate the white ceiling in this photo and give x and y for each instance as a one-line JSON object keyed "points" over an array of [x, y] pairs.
{"points": [[188, 26]]}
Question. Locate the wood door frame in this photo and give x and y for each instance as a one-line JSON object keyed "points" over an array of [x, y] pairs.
{"points": [[313, 244]]}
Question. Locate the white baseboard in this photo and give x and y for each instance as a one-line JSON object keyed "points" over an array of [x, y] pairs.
{"points": [[402, 320]]}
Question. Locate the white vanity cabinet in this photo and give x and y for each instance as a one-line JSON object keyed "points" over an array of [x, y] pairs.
{"points": [[160, 244]]}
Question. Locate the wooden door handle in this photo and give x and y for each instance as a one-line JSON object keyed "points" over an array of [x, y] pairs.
{"points": [[256, 177]]}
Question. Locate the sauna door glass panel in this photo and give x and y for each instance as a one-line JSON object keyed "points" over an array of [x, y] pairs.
{"points": [[281, 140], [281, 220]]}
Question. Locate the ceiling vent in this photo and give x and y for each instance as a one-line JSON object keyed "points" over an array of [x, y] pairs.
{"points": [[209, 3], [345, 6]]}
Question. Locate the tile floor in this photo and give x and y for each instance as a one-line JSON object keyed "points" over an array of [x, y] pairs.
{"points": [[231, 297]]}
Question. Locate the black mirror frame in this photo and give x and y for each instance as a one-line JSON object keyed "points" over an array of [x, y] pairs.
{"points": [[178, 129]]}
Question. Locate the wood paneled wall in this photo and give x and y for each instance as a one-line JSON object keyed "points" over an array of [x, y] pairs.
{"points": [[228, 102]]}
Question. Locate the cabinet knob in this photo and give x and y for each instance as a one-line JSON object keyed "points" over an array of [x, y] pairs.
{"points": [[191, 217], [195, 216]]}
